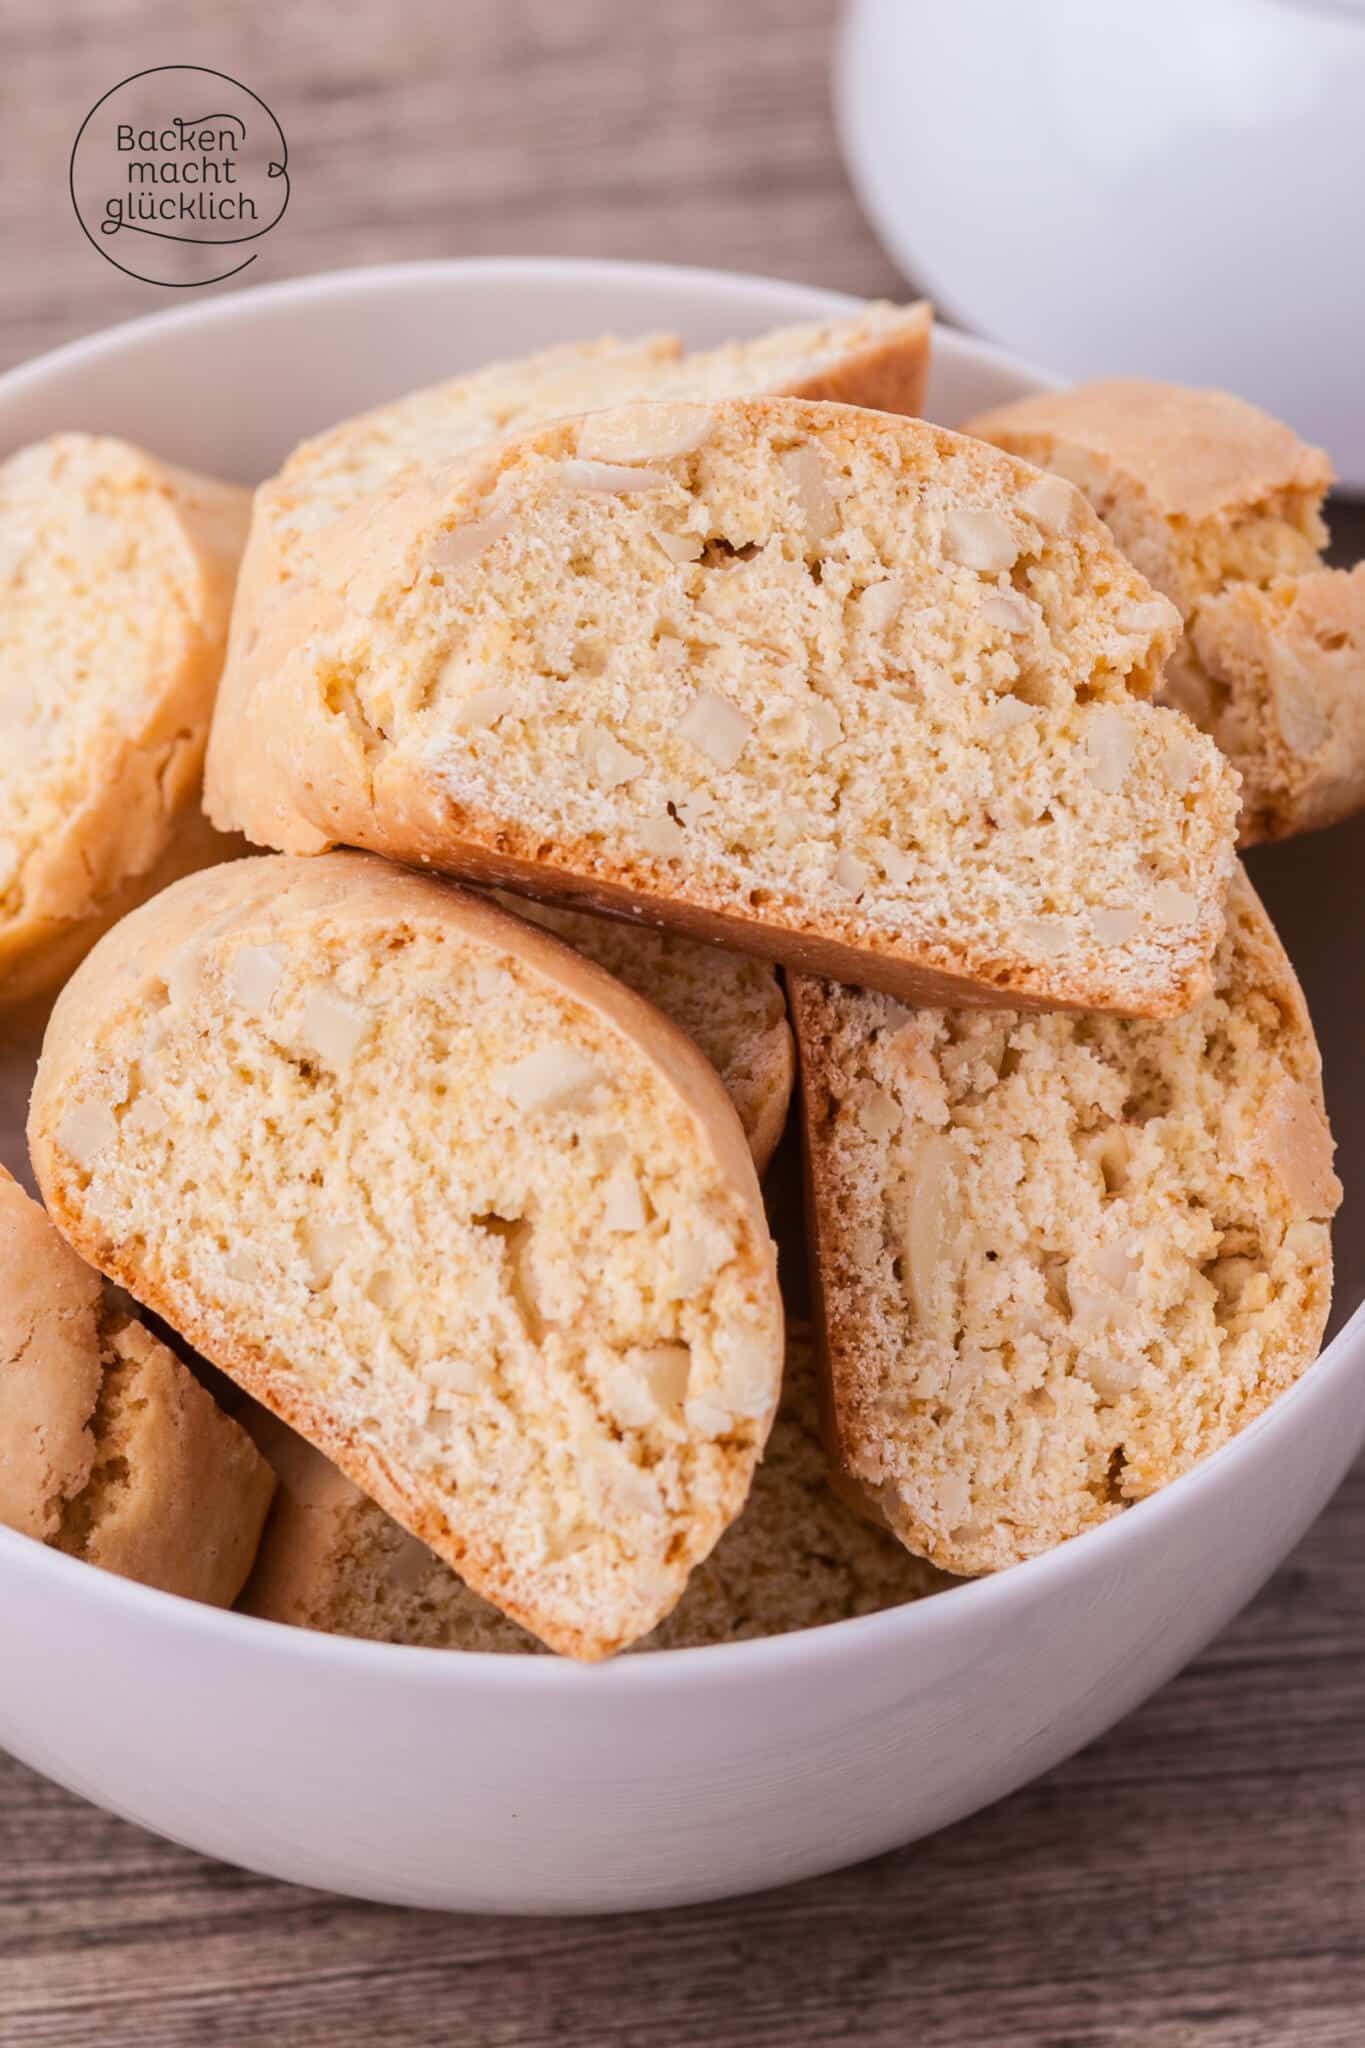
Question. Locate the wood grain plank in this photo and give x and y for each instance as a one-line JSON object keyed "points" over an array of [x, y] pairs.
{"points": [[1194, 1880]]}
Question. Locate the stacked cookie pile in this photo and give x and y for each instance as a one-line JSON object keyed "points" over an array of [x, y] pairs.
{"points": [[593, 708]]}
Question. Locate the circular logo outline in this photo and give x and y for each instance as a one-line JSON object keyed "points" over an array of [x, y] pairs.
{"points": [[273, 170]]}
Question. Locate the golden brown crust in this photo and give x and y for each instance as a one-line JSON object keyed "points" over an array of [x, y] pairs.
{"points": [[178, 1493], [887, 373], [50, 1367], [564, 873]]}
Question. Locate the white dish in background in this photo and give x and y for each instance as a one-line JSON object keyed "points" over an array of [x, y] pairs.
{"points": [[1171, 190], [527, 1784]]}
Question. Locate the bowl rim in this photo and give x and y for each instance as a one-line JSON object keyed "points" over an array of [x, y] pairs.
{"points": [[359, 280], [892, 1629]]}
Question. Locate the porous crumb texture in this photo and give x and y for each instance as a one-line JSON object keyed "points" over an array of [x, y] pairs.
{"points": [[877, 356], [1062, 1259], [796, 1558], [838, 687], [109, 1449], [474, 1218], [731, 1004], [1219, 506], [116, 578]]}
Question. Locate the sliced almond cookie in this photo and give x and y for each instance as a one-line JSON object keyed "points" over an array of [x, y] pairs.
{"points": [[796, 1558], [109, 1448], [451, 1201], [116, 577], [1061, 1259], [1219, 505], [878, 356], [827, 685]]}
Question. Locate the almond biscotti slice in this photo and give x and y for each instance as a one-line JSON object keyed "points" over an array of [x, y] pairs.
{"points": [[1061, 1258], [1219, 505], [116, 576], [730, 1003], [464, 1210], [834, 687], [796, 1558], [109, 1448], [877, 356]]}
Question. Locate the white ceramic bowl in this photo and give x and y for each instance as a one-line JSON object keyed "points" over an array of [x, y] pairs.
{"points": [[1171, 190], [527, 1784]]}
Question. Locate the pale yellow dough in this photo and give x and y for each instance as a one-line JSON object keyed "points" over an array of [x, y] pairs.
{"points": [[730, 1003]]}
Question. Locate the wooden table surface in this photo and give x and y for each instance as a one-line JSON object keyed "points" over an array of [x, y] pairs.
{"points": [[1197, 1877]]}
